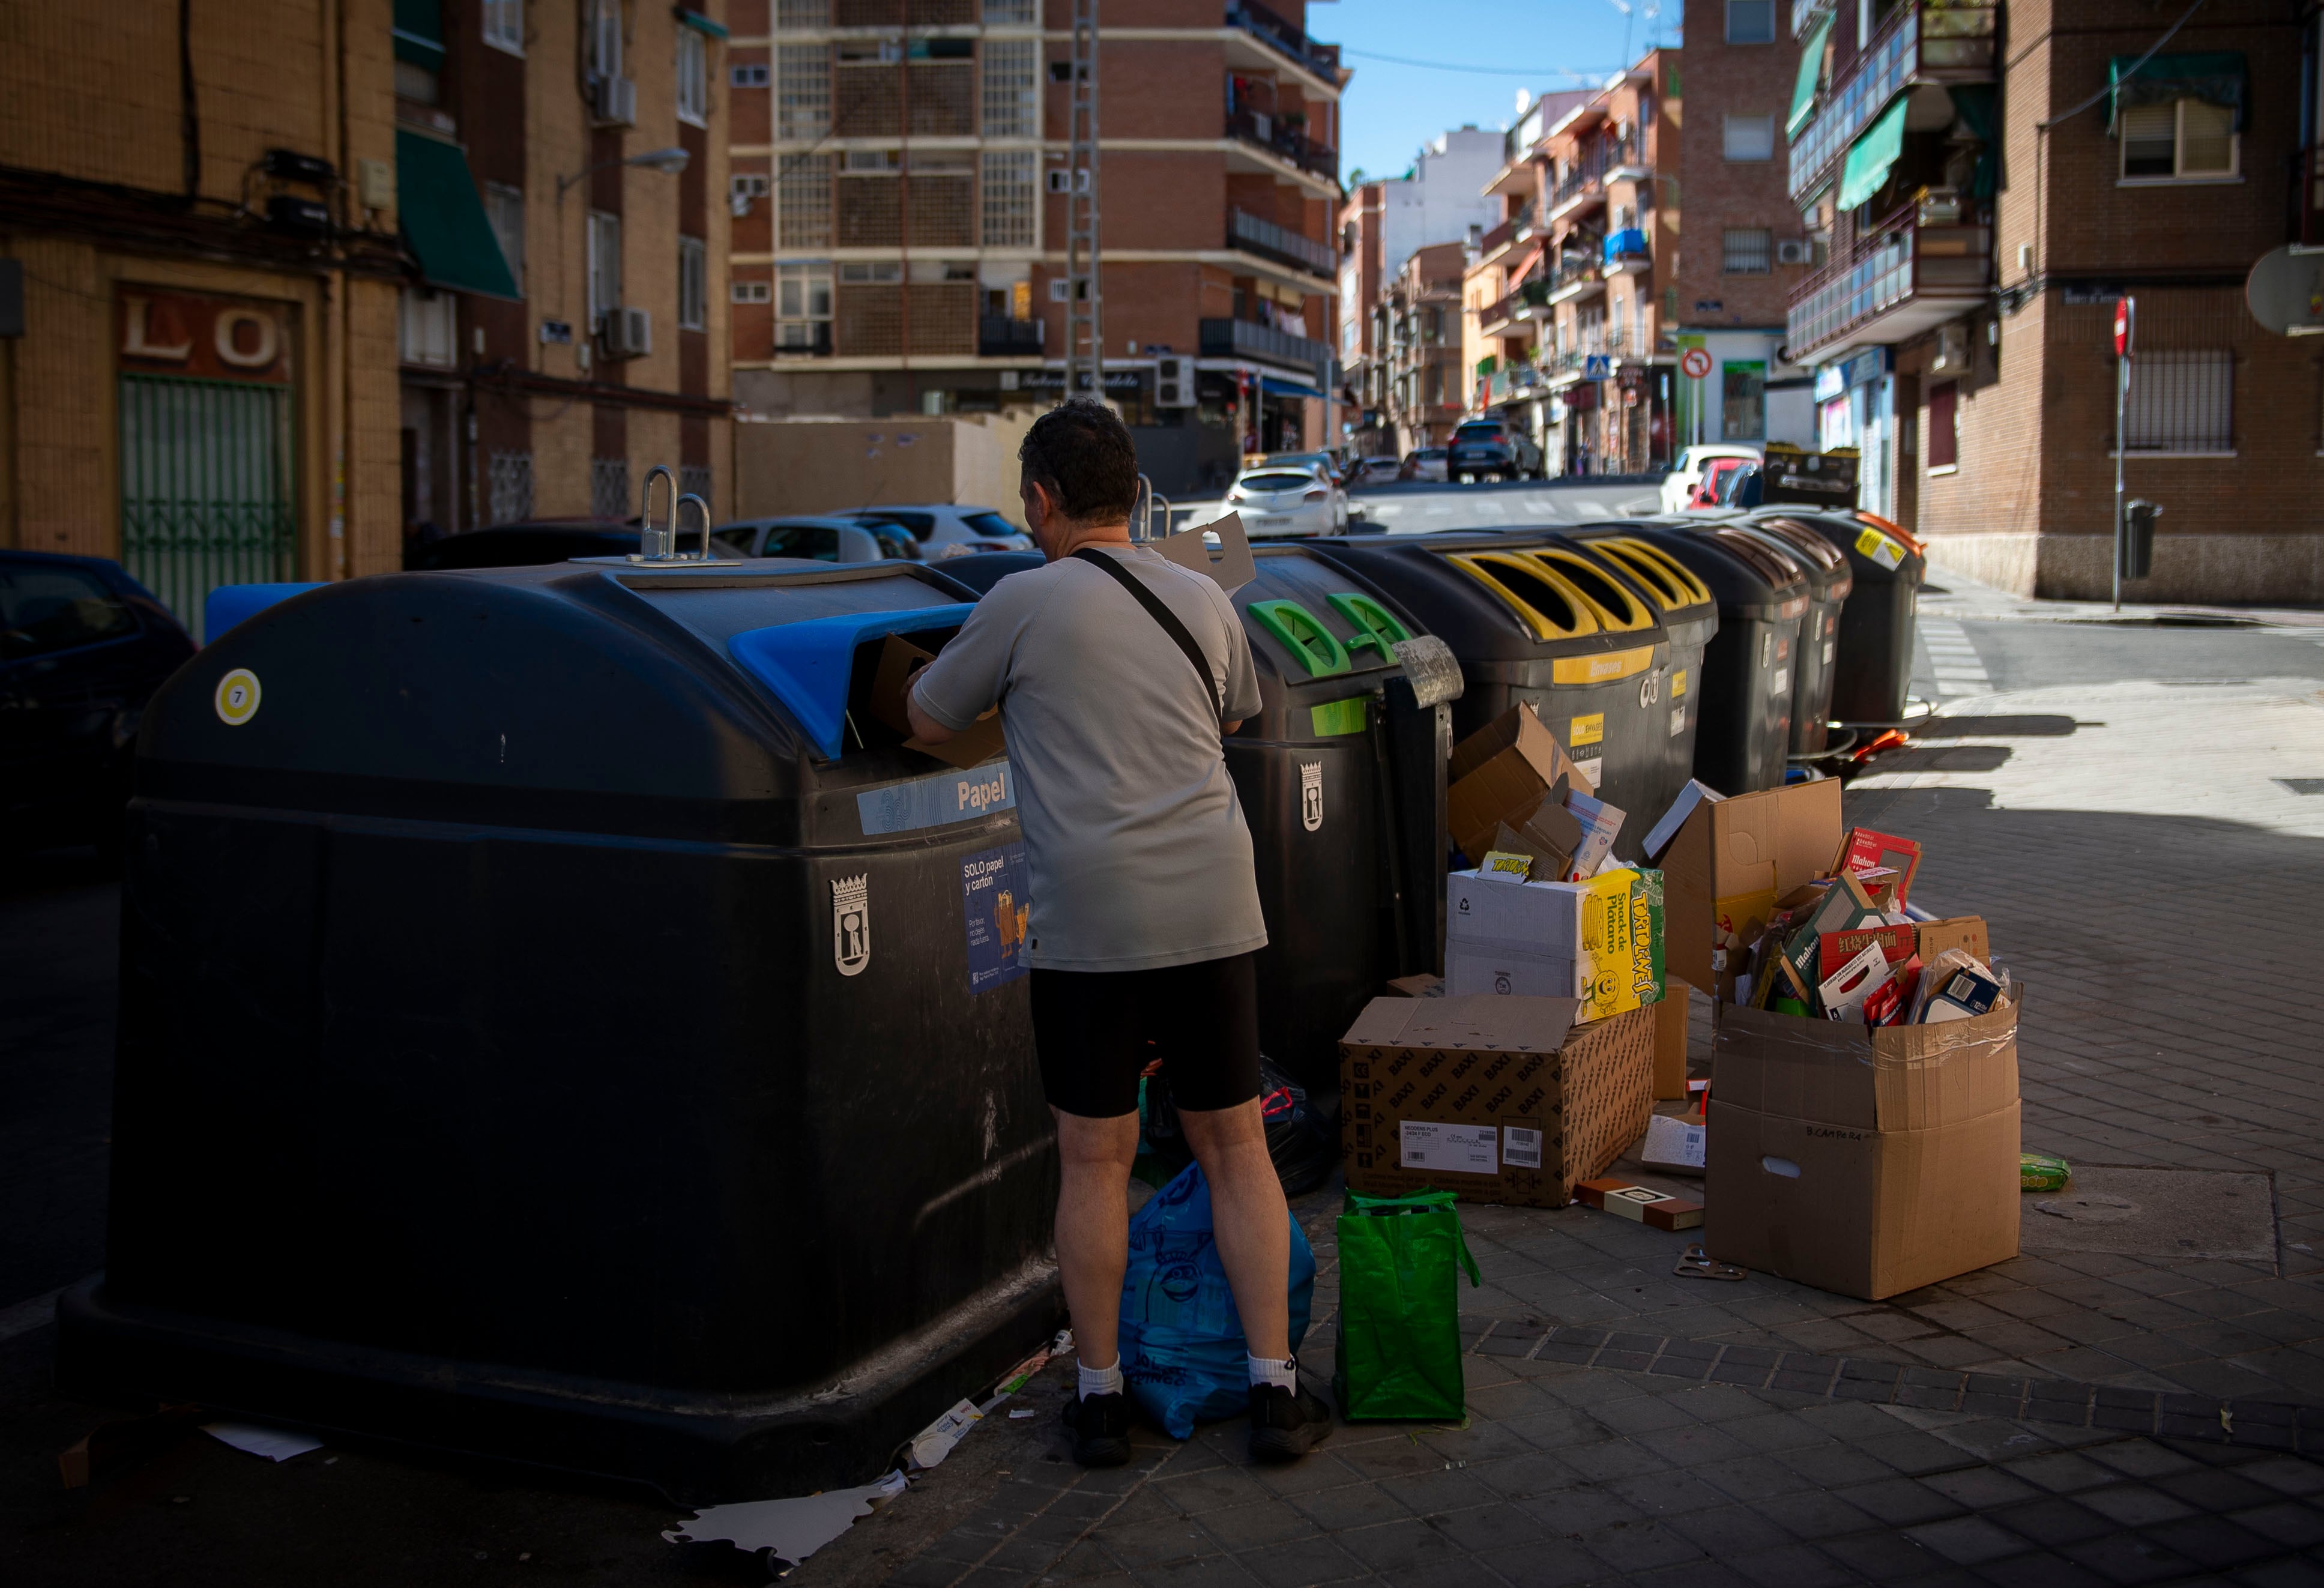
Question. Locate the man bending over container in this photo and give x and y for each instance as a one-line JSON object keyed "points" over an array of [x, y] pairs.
{"points": [[1116, 672]]}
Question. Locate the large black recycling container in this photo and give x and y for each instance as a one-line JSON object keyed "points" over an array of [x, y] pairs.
{"points": [[1816, 661], [1743, 737], [549, 1028], [1537, 620], [1340, 777], [1874, 671]]}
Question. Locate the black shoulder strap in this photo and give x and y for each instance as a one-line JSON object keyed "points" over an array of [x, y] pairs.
{"points": [[1161, 614]]}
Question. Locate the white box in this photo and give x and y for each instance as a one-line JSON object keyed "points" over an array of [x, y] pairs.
{"points": [[1522, 973], [1486, 907]]}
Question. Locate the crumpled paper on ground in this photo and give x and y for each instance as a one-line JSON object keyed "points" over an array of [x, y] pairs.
{"points": [[793, 1529]]}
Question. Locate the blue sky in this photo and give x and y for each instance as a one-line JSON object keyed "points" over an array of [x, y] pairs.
{"points": [[1391, 109]]}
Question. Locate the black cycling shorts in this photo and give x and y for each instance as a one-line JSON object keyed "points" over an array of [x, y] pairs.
{"points": [[1097, 1030]]}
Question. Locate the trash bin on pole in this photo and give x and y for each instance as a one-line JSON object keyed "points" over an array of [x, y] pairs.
{"points": [[1535, 619], [560, 1023], [1742, 738], [1829, 584], [1873, 671]]}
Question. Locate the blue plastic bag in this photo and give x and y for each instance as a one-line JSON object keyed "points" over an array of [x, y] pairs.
{"points": [[1182, 1342]]}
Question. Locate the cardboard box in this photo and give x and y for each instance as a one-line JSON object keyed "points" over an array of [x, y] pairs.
{"points": [[1502, 772], [1669, 1042], [1427, 1084], [1965, 932], [1729, 862], [1550, 834], [1598, 941], [1423, 985], [1861, 849], [1656, 1209], [1675, 1144], [900, 661], [1864, 1162]]}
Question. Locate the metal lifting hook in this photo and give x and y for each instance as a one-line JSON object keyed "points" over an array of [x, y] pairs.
{"points": [[657, 545], [704, 506]]}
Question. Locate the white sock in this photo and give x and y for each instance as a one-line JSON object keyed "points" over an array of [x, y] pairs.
{"points": [[1267, 1370], [1101, 1380]]}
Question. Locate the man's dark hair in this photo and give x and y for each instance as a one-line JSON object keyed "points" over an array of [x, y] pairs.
{"points": [[1081, 453]]}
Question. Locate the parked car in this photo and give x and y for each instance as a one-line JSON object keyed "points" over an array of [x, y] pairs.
{"points": [[83, 646], [824, 539], [946, 529], [1424, 462], [1494, 449], [1330, 464], [1377, 471], [1678, 485], [1275, 502], [1718, 473]]}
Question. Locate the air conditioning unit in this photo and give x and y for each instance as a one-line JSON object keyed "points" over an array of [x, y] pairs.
{"points": [[625, 333], [1174, 382], [1795, 251], [1953, 350], [614, 101]]}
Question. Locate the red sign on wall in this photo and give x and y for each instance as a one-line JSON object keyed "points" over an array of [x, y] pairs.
{"points": [[213, 338]]}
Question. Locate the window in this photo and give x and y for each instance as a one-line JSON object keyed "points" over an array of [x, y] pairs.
{"points": [[751, 292], [1944, 435], [802, 14], [2180, 401], [504, 24], [750, 77], [504, 207], [803, 307], [604, 38], [1748, 253], [1003, 14], [692, 285], [1742, 401], [608, 487], [1750, 22], [511, 487], [1007, 201], [605, 264], [428, 328], [745, 186], [693, 78], [802, 92], [865, 272], [1012, 97], [693, 480], [803, 202], [1751, 137], [2187, 140], [818, 541], [44, 609]]}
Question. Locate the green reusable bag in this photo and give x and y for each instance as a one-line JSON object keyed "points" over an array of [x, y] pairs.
{"points": [[1400, 1322]]}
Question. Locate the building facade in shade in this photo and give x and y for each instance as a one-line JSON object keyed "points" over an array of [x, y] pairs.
{"points": [[1744, 246], [297, 280], [1567, 325], [1987, 183], [899, 187], [1417, 332], [1441, 199]]}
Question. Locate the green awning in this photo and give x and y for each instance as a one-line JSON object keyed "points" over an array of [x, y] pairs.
{"points": [[1871, 155], [1810, 72], [2220, 77], [419, 32], [444, 218], [701, 23]]}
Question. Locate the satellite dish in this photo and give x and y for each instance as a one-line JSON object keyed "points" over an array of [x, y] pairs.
{"points": [[2285, 291]]}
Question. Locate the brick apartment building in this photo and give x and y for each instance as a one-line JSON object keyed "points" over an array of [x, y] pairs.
{"points": [[1986, 181], [1415, 334], [1439, 199], [1567, 323], [296, 278], [1744, 246], [899, 172]]}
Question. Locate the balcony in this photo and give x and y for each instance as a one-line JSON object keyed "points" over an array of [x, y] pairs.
{"points": [[1626, 254], [1928, 42], [1284, 39], [998, 336], [1243, 338], [1514, 229], [1804, 13], [1901, 279], [1578, 276], [1284, 139], [1251, 235], [803, 339]]}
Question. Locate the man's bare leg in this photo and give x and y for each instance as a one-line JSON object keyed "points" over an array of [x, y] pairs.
{"points": [[1248, 1219]]}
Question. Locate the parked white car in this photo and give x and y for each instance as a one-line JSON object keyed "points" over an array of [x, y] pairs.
{"points": [[947, 529], [1377, 471], [1679, 482], [1275, 502]]}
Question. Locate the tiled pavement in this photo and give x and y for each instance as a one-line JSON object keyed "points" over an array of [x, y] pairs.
{"points": [[2166, 932]]}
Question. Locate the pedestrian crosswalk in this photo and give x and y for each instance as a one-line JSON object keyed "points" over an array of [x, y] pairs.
{"points": [[1953, 661]]}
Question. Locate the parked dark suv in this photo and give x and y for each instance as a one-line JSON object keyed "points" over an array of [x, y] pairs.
{"points": [[1491, 449], [83, 646]]}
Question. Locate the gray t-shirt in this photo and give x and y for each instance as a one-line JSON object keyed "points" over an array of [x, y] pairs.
{"points": [[1136, 843]]}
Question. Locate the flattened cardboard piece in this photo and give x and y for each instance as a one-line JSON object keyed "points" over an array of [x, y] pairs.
{"points": [[972, 746], [1965, 932], [1862, 1212], [1423, 985], [1733, 852], [1233, 567], [1501, 772], [1666, 828], [1669, 1042], [1556, 1114], [900, 661], [1862, 849], [1675, 1145]]}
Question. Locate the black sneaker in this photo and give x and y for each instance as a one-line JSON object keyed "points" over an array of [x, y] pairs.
{"points": [[1099, 1425], [1285, 1423]]}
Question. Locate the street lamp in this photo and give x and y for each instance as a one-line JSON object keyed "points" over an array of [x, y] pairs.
{"points": [[668, 161]]}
